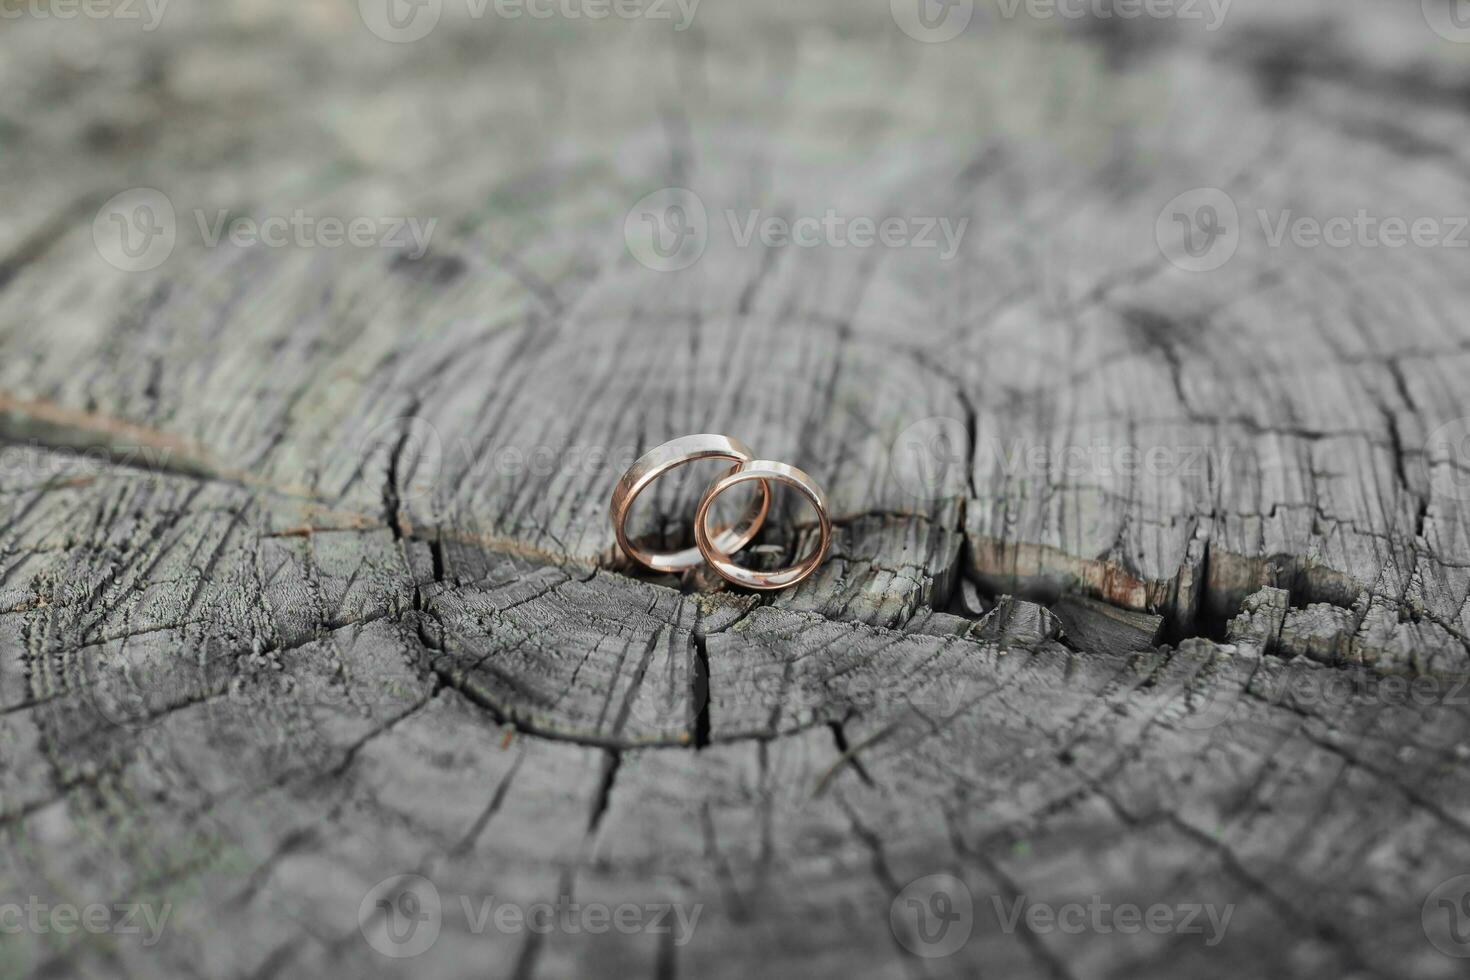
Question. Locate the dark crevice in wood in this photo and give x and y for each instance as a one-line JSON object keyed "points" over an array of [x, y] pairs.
{"points": [[665, 967], [350, 756], [1163, 335], [610, 766], [497, 800], [430, 641], [874, 843], [392, 502], [975, 601], [699, 689], [878, 863], [293, 843], [457, 680], [972, 432], [1227, 580], [845, 752], [1205, 618], [525, 968], [849, 756]]}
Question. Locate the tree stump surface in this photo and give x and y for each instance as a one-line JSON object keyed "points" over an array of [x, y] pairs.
{"points": [[1147, 585]]}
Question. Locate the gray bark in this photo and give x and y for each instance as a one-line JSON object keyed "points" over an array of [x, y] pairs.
{"points": [[308, 579]]}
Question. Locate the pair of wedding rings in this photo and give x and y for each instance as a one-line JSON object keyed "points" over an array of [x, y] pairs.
{"points": [[717, 546]]}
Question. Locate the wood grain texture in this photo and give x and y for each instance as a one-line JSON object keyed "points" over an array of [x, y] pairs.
{"points": [[306, 579]]}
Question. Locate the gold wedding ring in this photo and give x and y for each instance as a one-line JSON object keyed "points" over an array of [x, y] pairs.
{"points": [[717, 545], [654, 464], [764, 471]]}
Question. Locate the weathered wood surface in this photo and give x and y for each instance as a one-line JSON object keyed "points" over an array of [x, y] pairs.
{"points": [[283, 615]]}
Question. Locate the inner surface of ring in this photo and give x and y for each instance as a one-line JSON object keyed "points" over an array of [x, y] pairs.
{"points": [[719, 556], [729, 539]]}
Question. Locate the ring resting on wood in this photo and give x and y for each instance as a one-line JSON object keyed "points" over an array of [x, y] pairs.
{"points": [[716, 547], [764, 471], [658, 461]]}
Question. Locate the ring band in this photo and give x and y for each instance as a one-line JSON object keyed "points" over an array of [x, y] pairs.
{"points": [[763, 470], [654, 464]]}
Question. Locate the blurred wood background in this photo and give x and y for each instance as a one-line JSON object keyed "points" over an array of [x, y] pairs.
{"points": [[307, 576]]}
